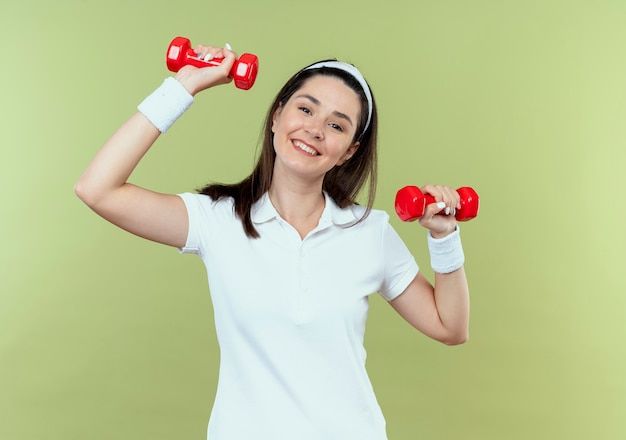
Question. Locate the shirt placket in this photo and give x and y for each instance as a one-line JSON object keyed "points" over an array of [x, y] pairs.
{"points": [[301, 291]]}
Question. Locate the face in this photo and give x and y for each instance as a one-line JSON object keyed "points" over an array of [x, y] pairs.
{"points": [[315, 128]]}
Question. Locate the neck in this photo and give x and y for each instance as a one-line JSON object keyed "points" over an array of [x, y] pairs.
{"points": [[293, 204], [299, 204]]}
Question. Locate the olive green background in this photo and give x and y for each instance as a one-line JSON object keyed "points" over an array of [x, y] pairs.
{"points": [[106, 336]]}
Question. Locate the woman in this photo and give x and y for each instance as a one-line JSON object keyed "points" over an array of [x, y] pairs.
{"points": [[291, 258]]}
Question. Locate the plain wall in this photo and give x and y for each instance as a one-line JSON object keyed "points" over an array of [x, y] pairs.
{"points": [[106, 336]]}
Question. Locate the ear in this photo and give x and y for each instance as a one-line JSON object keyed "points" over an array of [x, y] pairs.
{"points": [[276, 115], [349, 153]]}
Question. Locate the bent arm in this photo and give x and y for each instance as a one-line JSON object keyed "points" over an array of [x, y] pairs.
{"points": [[440, 312], [104, 187]]}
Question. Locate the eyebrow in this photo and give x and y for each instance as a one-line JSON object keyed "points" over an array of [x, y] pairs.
{"points": [[317, 102]]}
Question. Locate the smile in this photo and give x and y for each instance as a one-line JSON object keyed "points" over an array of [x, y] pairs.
{"points": [[304, 147]]}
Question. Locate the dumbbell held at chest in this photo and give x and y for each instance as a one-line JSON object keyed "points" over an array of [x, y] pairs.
{"points": [[411, 202], [180, 53]]}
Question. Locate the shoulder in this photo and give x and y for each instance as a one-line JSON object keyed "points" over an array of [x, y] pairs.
{"points": [[377, 225], [371, 217], [353, 214], [203, 205], [204, 199]]}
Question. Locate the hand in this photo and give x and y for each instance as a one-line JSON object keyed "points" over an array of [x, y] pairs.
{"points": [[448, 201], [196, 79]]}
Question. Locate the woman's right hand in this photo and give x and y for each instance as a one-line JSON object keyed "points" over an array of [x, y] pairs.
{"points": [[196, 79]]}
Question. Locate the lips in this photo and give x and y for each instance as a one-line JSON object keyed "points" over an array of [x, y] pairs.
{"points": [[306, 148]]}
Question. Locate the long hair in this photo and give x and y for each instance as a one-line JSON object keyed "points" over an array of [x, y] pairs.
{"points": [[342, 183]]}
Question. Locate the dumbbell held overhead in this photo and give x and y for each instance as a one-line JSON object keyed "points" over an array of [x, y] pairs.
{"points": [[180, 53], [411, 203]]}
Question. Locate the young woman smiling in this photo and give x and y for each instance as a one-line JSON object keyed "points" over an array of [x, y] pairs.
{"points": [[291, 257]]}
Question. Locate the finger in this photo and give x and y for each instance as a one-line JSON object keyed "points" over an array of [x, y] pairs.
{"points": [[229, 54], [213, 52], [448, 198], [434, 191], [454, 201], [200, 50], [441, 206], [454, 197], [433, 209], [207, 53], [445, 194]]}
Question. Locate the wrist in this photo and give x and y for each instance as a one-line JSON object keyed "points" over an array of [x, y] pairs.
{"points": [[442, 234], [166, 104], [185, 79], [446, 253]]}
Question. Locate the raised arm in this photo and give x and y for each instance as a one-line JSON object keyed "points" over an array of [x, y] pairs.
{"points": [[441, 311], [104, 185]]}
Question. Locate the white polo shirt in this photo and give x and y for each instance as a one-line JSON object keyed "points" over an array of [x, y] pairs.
{"points": [[290, 318]]}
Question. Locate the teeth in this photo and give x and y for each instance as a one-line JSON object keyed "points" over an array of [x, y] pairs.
{"points": [[305, 148]]}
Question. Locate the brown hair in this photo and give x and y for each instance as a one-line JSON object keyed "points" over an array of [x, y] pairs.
{"points": [[342, 183]]}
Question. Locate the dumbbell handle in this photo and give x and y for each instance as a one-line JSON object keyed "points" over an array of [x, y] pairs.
{"points": [[411, 203], [180, 53]]}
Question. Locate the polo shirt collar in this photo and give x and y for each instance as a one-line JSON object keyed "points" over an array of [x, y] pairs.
{"points": [[263, 211]]}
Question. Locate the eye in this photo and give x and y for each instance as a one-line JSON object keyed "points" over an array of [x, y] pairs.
{"points": [[304, 109], [336, 127]]}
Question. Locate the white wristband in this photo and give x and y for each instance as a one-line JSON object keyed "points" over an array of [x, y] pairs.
{"points": [[166, 104], [446, 254]]}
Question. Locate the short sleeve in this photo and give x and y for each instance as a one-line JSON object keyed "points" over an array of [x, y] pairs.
{"points": [[400, 265], [194, 213]]}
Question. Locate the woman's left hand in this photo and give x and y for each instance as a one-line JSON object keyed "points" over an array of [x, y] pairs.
{"points": [[447, 201]]}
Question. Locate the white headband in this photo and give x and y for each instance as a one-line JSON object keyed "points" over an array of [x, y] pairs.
{"points": [[349, 68]]}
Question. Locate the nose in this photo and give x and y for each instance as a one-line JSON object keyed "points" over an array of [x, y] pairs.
{"points": [[314, 127]]}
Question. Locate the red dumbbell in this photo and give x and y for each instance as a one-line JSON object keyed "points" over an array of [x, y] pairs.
{"points": [[180, 53], [411, 203]]}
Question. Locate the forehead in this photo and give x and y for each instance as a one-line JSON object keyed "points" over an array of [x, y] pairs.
{"points": [[331, 92]]}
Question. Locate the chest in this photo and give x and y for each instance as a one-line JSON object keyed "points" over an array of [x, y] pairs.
{"points": [[326, 276]]}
